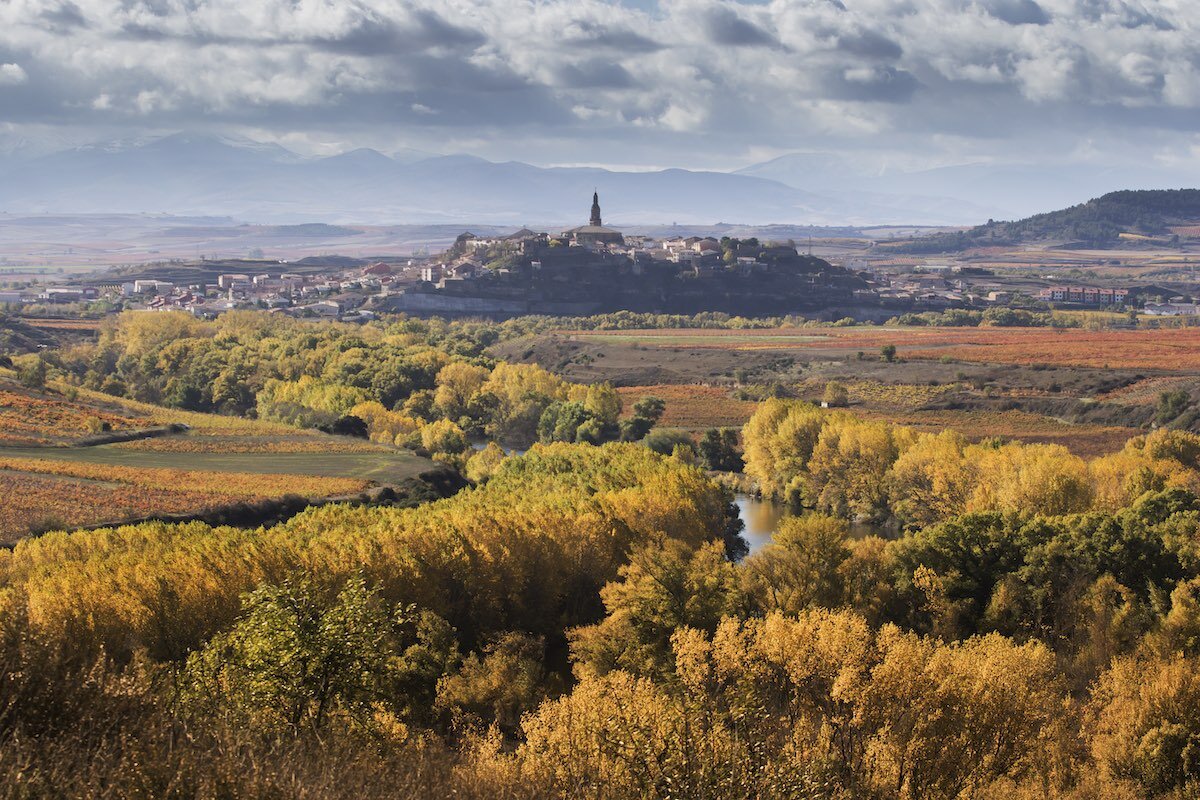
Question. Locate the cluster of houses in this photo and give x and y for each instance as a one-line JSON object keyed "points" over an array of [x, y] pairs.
{"points": [[1084, 295], [50, 295], [285, 293], [1177, 307]]}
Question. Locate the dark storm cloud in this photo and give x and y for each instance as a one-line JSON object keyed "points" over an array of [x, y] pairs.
{"points": [[379, 36], [63, 16], [594, 74], [590, 33], [370, 35], [725, 27], [1120, 12], [1017, 12], [869, 44]]}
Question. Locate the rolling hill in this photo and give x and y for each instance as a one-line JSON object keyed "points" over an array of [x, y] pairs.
{"points": [[1112, 220]]}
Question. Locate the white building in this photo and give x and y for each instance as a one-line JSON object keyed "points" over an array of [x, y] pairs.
{"points": [[227, 280], [152, 287], [1171, 309]]}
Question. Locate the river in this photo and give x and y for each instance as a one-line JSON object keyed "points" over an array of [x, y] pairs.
{"points": [[762, 517]]}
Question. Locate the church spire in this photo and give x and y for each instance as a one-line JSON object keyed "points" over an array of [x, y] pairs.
{"points": [[596, 210]]}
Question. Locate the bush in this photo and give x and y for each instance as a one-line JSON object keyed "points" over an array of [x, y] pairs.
{"points": [[836, 395], [664, 440]]}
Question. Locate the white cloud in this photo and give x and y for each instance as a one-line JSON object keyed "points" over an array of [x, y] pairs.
{"points": [[12, 75]]}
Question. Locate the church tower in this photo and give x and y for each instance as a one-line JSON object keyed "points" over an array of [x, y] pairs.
{"points": [[596, 210]]}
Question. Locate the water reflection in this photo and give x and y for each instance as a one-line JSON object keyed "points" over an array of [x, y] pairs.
{"points": [[762, 517]]}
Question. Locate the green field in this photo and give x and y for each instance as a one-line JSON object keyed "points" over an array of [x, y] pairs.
{"points": [[384, 467]]}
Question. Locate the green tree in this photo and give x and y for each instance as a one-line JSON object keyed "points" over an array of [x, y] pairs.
{"points": [[33, 373], [650, 408], [719, 450], [836, 395], [295, 657]]}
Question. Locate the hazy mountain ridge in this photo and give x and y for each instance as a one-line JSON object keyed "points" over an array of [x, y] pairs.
{"points": [[193, 174]]}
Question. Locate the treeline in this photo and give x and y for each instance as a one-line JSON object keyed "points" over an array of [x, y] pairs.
{"points": [[839, 464], [425, 384], [998, 317], [576, 627]]}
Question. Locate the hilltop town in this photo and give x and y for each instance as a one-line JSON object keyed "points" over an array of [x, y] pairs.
{"points": [[596, 269]]}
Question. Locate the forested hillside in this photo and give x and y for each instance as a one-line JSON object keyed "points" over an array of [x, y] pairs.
{"points": [[1096, 223]]}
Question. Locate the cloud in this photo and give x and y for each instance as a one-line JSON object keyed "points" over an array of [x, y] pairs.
{"points": [[869, 44], [680, 79], [725, 26], [1017, 12], [12, 75]]}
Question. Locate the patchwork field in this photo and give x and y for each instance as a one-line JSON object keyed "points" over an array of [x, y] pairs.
{"points": [[692, 406], [1087, 390], [28, 418], [48, 481], [1165, 349], [75, 489]]}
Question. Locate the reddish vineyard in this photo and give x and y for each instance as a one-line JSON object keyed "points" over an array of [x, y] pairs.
{"points": [[693, 406], [42, 493], [1173, 349], [30, 419], [36, 502]]}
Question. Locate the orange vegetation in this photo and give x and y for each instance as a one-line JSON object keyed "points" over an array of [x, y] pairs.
{"points": [[1167, 348], [32, 419], [41, 492], [1083, 440], [35, 501], [692, 405], [236, 484], [250, 444]]}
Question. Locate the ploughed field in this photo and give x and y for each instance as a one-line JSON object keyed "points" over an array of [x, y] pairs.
{"points": [[1087, 390]]}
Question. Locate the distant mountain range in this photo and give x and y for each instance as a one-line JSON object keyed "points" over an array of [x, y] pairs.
{"points": [[1125, 218], [202, 174]]}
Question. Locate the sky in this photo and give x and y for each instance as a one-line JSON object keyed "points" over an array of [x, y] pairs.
{"points": [[631, 84]]}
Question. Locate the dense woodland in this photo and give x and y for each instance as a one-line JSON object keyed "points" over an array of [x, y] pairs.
{"points": [[584, 620]]}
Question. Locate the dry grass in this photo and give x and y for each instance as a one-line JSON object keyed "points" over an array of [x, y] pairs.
{"points": [[1145, 392], [697, 407], [62, 324], [1087, 441]]}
